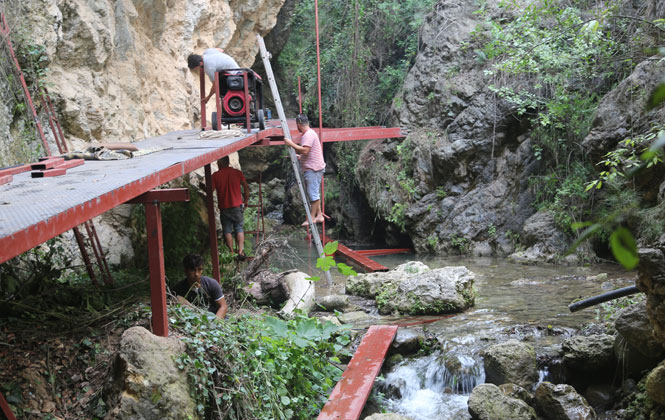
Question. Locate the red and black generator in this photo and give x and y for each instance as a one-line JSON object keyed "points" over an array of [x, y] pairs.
{"points": [[238, 98]]}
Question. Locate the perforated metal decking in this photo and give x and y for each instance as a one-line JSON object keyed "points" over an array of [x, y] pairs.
{"points": [[33, 210]]}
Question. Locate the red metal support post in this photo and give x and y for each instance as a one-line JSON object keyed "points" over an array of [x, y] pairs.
{"points": [[5, 408], [212, 225], [4, 30], [86, 257], [153, 218], [247, 102], [202, 82], [218, 101], [318, 85], [299, 97]]}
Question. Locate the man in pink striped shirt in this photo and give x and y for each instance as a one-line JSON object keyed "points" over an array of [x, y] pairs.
{"points": [[313, 165]]}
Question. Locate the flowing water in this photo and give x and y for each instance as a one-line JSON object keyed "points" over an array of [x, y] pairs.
{"points": [[512, 301]]}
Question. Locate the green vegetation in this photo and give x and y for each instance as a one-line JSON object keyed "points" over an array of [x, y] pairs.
{"points": [[367, 48], [266, 367]]}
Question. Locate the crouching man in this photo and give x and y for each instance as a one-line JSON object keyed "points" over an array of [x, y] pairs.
{"points": [[200, 290]]}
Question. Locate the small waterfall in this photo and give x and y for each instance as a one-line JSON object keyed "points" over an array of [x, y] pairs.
{"points": [[434, 386]]}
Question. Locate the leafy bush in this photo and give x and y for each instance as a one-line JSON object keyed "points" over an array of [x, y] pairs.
{"points": [[259, 367]]}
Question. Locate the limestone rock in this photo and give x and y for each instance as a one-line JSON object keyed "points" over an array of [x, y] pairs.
{"points": [[332, 303], [408, 340], [562, 402], [545, 242], [516, 391], [511, 362], [487, 402], [633, 324], [354, 317], [371, 284], [651, 280], [443, 290], [589, 354], [146, 383], [655, 385]]}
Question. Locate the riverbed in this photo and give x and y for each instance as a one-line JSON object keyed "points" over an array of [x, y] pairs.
{"points": [[527, 302]]}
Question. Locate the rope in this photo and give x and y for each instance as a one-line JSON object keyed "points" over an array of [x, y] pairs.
{"points": [[221, 134]]}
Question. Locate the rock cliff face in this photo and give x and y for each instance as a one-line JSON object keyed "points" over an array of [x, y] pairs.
{"points": [[460, 180], [468, 158], [118, 68]]}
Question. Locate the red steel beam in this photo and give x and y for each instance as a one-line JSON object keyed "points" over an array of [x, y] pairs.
{"points": [[4, 30], [376, 252], [5, 408], [347, 400], [4, 179], [15, 170], [153, 219], [212, 225], [86, 257], [162, 196], [361, 260], [59, 169], [47, 163]]}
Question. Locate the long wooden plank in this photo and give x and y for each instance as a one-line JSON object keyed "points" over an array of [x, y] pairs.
{"points": [[347, 400]]}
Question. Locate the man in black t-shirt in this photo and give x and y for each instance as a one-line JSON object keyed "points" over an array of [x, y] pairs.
{"points": [[201, 290]]}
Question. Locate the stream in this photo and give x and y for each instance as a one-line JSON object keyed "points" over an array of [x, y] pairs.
{"points": [[512, 301]]}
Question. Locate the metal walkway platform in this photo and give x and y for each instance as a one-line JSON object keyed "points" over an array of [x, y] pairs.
{"points": [[348, 399], [34, 210]]}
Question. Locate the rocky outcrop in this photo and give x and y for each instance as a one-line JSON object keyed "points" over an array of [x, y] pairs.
{"points": [[118, 69], [511, 362], [621, 113], [651, 280], [635, 346], [562, 402], [463, 170], [488, 402], [146, 384]]}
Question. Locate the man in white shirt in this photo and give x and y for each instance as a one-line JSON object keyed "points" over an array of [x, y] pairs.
{"points": [[214, 60]]}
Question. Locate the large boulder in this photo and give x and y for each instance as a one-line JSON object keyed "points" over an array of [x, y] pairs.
{"points": [[635, 346], [562, 402], [146, 384], [488, 402], [369, 285], [511, 362], [633, 324], [443, 290], [590, 354]]}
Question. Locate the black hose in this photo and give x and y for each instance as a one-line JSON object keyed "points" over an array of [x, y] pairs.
{"points": [[614, 294]]}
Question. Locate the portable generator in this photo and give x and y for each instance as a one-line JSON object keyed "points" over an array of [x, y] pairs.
{"points": [[236, 101]]}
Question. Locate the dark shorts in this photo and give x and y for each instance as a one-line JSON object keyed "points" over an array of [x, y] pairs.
{"points": [[232, 219]]}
